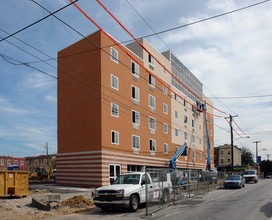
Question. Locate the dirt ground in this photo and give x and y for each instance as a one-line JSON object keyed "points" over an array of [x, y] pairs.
{"points": [[21, 208]]}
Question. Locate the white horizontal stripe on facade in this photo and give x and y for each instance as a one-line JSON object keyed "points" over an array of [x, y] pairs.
{"points": [[82, 174], [82, 178], [83, 170], [76, 183]]}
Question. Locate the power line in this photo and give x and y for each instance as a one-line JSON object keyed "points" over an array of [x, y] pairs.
{"points": [[38, 21]]}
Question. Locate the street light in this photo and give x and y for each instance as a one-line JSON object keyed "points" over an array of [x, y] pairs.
{"points": [[240, 138]]}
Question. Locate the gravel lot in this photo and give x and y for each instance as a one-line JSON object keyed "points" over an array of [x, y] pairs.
{"points": [[21, 208]]}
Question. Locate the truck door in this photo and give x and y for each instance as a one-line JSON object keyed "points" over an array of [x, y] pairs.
{"points": [[150, 188]]}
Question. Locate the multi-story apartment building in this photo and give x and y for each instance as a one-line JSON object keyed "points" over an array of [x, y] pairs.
{"points": [[120, 113], [41, 161], [223, 155], [6, 161]]}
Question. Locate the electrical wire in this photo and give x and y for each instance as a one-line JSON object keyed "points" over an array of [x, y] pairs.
{"points": [[38, 21], [150, 54]]}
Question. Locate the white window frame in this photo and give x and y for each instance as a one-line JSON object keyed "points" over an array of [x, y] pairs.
{"points": [[165, 148], [193, 138], [114, 55], [193, 123], [136, 120], [165, 108], [2, 162], [113, 77], [185, 135], [152, 123], [200, 155], [176, 114], [151, 60], [22, 163], [133, 138], [193, 155], [153, 146], [16, 162], [165, 128], [135, 70], [112, 110], [115, 133], [176, 132], [200, 140], [136, 93], [151, 80], [200, 127], [165, 90], [185, 119], [151, 101], [164, 70], [8, 162]]}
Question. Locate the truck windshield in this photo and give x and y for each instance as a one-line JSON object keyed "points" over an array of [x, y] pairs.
{"points": [[249, 172], [127, 179]]}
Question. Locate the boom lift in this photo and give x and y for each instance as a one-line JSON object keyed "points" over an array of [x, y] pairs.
{"points": [[183, 150]]}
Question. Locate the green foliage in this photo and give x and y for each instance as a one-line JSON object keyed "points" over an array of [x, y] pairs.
{"points": [[266, 167], [247, 157]]}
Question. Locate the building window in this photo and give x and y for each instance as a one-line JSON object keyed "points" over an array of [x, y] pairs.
{"points": [[2, 162], [185, 103], [193, 155], [176, 97], [176, 114], [210, 145], [165, 147], [200, 155], [228, 152], [165, 90], [193, 123], [164, 69], [228, 160], [176, 132], [135, 93], [200, 140], [151, 80], [152, 145], [22, 163], [185, 135], [135, 69], [114, 110], [114, 55], [206, 156], [165, 108], [211, 119], [135, 141], [151, 101], [185, 119], [114, 82], [151, 60], [16, 162], [222, 161], [193, 138], [114, 137], [165, 128], [135, 117], [152, 123], [222, 152], [200, 127], [8, 162]]}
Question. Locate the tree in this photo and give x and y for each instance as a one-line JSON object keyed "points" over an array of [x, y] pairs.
{"points": [[247, 157], [266, 167]]}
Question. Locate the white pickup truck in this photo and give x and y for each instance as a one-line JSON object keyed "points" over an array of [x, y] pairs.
{"points": [[250, 175], [129, 190]]}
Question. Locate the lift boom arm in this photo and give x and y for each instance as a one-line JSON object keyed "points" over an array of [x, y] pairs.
{"points": [[183, 150]]}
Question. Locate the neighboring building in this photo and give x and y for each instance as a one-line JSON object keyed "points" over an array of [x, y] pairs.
{"points": [[223, 153], [41, 161], [6, 161], [114, 117]]}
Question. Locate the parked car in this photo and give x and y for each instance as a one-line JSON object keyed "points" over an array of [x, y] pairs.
{"points": [[129, 190], [250, 175], [234, 181], [268, 176]]}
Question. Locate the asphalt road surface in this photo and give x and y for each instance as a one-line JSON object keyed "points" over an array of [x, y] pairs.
{"points": [[254, 202]]}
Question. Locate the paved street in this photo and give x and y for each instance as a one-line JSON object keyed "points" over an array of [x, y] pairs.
{"points": [[251, 203]]}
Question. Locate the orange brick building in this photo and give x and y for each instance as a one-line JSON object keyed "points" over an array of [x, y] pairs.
{"points": [[114, 117]]}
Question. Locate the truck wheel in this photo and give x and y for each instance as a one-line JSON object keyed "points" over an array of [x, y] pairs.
{"points": [[134, 203]]}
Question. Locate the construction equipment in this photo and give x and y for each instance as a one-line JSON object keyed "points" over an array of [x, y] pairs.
{"points": [[42, 174], [183, 150]]}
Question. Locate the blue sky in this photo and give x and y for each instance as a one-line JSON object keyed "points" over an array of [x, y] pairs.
{"points": [[231, 55]]}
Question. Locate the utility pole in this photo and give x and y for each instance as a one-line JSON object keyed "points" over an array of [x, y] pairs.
{"points": [[46, 147], [257, 151], [231, 137]]}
